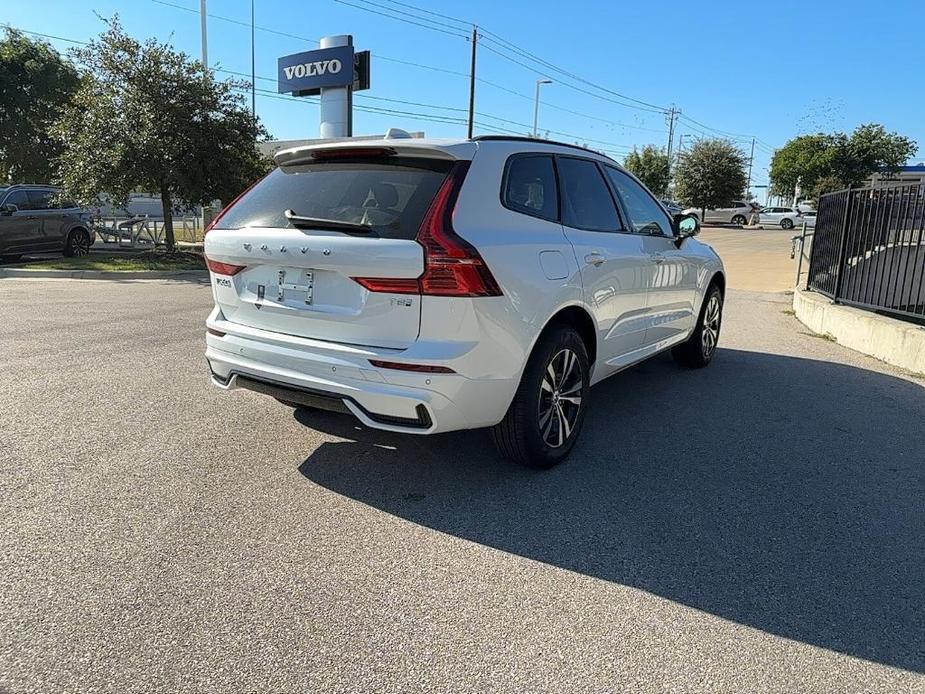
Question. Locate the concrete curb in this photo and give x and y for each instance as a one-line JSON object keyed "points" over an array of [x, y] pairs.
{"points": [[893, 341], [103, 274]]}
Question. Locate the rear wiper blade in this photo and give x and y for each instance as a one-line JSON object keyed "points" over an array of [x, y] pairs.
{"points": [[320, 223]]}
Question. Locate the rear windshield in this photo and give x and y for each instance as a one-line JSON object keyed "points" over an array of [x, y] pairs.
{"points": [[389, 197]]}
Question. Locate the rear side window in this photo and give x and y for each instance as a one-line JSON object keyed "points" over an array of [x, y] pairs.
{"points": [[530, 187], [586, 200], [41, 199], [391, 197]]}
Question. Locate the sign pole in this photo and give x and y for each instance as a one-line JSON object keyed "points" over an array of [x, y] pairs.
{"points": [[475, 40], [335, 101]]}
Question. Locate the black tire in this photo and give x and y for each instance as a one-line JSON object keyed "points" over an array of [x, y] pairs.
{"points": [[78, 243], [699, 349], [739, 219], [786, 224], [557, 397]]}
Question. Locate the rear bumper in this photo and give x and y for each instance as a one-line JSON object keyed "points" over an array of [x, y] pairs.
{"points": [[339, 377]]}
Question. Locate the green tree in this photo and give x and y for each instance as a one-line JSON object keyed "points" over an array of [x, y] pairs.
{"points": [[824, 162], [650, 166], [710, 174], [146, 117], [36, 83]]}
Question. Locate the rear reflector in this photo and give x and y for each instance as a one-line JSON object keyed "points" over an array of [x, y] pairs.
{"points": [[452, 267], [213, 331], [418, 368], [224, 268]]}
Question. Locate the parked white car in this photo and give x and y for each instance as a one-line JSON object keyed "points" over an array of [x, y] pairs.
{"points": [[426, 286], [736, 212], [784, 217]]}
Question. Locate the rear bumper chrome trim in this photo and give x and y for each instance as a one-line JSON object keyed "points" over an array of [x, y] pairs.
{"points": [[322, 400]]}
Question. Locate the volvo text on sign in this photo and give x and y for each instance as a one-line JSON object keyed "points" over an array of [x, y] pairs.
{"points": [[306, 73]]}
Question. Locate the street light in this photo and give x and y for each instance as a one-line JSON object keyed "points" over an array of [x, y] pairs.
{"points": [[536, 103]]}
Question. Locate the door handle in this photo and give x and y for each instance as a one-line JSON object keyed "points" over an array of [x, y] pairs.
{"points": [[658, 258], [594, 258]]}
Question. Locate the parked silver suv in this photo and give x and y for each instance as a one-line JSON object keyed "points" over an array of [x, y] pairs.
{"points": [[36, 219]]}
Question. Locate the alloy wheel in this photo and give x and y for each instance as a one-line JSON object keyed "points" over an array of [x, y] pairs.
{"points": [[711, 322], [560, 398], [80, 244]]}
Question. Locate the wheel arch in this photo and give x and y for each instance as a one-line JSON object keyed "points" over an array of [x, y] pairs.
{"points": [[718, 279], [575, 316]]}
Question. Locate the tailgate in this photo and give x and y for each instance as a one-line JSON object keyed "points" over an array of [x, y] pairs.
{"points": [[294, 243]]}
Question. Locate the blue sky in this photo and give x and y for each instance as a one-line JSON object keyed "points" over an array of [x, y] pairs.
{"points": [[772, 71]]}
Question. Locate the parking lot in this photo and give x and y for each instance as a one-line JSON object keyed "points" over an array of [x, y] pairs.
{"points": [[754, 526]]}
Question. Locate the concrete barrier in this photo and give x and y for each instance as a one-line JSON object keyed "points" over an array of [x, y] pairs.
{"points": [[893, 341]]}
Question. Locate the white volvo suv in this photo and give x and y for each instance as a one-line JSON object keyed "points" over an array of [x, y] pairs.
{"points": [[425, 286]]}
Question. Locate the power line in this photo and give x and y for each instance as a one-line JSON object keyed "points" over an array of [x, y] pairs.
{"points": [[435, 14], [408, 14], [504, 44], [51, 36], [401, 19], [499, 41], [425, 66], [564, 84], [234, 21], [439, 69]]}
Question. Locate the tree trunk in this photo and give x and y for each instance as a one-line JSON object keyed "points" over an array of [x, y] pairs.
{"points": [[167, 210], [703, 214]]}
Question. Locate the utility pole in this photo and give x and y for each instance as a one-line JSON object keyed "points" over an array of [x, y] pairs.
{"points": [[751, 159], [475, 39], [536, 103], [671, 119], [205, 40], [253, 64]]}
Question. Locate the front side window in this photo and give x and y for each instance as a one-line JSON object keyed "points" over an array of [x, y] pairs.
{"points": [[646, 215], [530, 187], [586, 201], [19, 198]]}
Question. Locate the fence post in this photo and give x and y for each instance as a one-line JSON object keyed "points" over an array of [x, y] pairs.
{"points": [[800, 260], [843, 248]]}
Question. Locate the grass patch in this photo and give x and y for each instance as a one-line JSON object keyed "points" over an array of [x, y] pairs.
{"points": [[125, 262], [789, 312]]}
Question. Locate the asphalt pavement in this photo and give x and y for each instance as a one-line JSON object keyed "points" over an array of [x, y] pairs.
{"points": [[757, 526]]}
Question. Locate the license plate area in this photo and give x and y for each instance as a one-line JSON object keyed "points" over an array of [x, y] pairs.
{"points": [[295, 284]]}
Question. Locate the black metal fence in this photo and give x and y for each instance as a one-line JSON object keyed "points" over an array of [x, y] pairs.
{"points": [[868, 249]]}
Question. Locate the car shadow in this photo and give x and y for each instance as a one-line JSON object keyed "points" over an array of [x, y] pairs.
{"points": [[781, 493]]}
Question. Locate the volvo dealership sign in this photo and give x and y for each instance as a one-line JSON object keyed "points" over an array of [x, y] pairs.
{"points": [[334, 72], [306, 73]]}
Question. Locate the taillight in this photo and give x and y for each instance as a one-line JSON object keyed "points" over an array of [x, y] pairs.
{"points": [[231, 204], [452, 267], [390, 285], [224, 268]]}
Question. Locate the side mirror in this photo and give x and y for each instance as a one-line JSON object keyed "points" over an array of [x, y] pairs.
{"points": [[686, 225], [8, 209]]}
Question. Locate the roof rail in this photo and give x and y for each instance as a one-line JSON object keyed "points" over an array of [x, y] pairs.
{"points": [[538, 140]]}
